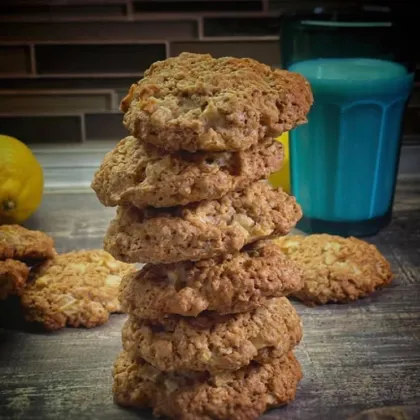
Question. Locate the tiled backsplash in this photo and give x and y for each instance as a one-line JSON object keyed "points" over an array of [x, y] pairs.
{"points": [[66, 64]]}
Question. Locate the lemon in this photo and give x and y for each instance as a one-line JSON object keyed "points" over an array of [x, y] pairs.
{"points": [[281, 178], [21, 181]]}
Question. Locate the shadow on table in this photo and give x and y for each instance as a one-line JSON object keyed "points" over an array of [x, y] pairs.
{"points": [[11, 317], [137, 413]]}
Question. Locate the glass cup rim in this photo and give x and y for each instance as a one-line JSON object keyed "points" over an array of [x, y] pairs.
{"points": [[369, 16]]}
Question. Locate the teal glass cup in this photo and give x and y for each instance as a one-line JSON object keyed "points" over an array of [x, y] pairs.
{"points": [[344, 161]]}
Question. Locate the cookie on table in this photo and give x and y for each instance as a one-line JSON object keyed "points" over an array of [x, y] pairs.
{"points": [[213, 342], [228, 284], [336, 269], [238, 395], [13, 277], [143, 175], [19, 243], [201, 230], [78, 289], [196, 102]]}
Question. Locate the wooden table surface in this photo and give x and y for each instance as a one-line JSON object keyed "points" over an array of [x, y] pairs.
{"points": [[355, 356]]}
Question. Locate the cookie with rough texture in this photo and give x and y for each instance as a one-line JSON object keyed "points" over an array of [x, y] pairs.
{"points": [[201, 230], [228, 284], [143, 175], [336, 269], [239, 395], [19, 243], [77, 289], [197, 102], [214, 342], [13, 277]]}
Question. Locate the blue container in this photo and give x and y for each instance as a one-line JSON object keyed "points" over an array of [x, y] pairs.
{"points": [[344, 162]]}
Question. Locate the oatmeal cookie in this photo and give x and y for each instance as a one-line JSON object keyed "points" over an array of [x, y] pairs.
{"points": [[79, 288], [142, 175], [239, 395], [214, 342], [201, 230], [197, 102], [336, 269], [19, 243], [13, 277], [228, 284]]}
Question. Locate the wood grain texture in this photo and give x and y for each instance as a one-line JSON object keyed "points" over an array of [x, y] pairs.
{"points": [[355, 356]]}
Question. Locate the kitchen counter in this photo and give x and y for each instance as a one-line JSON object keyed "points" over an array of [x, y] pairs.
{"points": [[355, 356]]}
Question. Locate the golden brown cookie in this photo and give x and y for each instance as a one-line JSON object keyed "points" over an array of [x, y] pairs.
{"points": [[240, 395], [79, 288], [196, 102], [142, 175], [214, 342], [336, 269], [201, 230], [19, 243], [13, 277], [228, 284]]}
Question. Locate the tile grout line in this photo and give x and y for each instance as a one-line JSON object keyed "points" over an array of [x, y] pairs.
{"points": [[79, 42], [168, 48], [83, 127], [139, 42], [142, 16], [265, 5], [32, 59], [55, 92], [69, 75], [237, 38], [129, 10], [200, 22], [114, 100]]}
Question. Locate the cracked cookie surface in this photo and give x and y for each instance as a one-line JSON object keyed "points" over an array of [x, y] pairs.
{"points": [[228, 284], [197, 102], [78, 289], [336, 269], [201, 230], [141, 175], [13, 277], [239, 395], [19, 243], [213, 342]]}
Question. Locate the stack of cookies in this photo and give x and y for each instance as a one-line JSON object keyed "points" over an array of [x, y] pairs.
{"points": [[210, 332]]}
